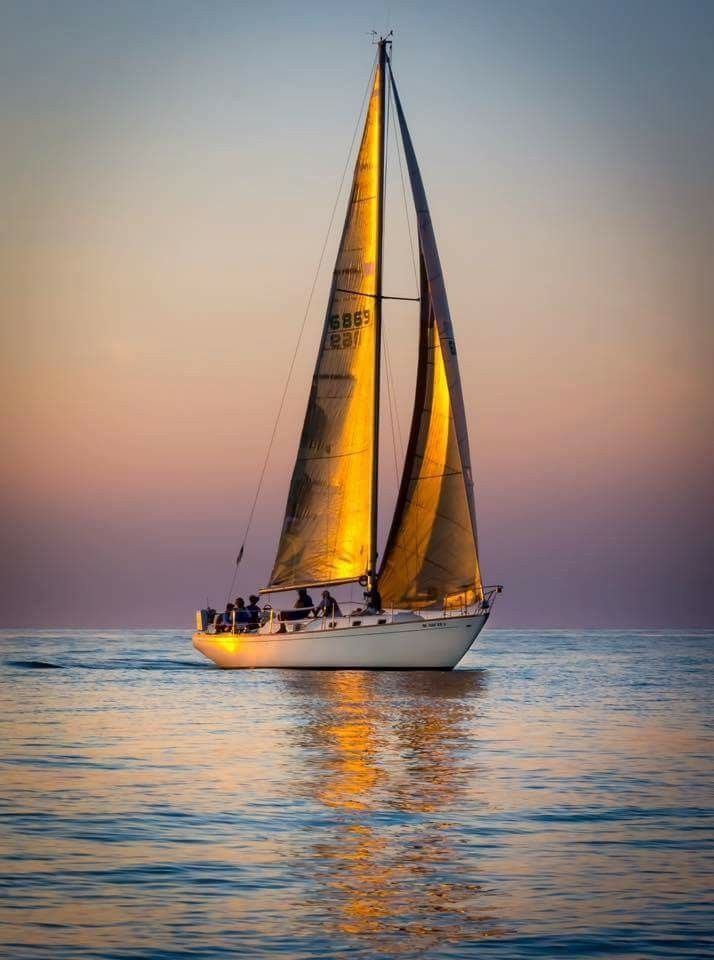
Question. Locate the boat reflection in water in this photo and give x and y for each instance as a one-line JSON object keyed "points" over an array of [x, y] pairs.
{"points": [[387, 755]]}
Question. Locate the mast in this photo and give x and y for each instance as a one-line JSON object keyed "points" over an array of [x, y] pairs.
{"points": [[329, 532], [382, 75]]}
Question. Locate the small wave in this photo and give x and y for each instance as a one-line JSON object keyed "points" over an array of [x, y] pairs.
{"points": [[123, 664], [34, 664], [170, 665]]}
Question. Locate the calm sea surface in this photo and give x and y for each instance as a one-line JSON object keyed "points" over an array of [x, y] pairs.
{"points": [[550, 798]]}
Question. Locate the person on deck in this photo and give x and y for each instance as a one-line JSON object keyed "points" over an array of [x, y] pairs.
{"points": [[242, 615], [329, 607], [253, 609], [304, 601], [224, 623], [374, 600]]}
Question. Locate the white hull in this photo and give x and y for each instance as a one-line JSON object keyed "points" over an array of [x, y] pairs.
{"points": [[417, 644]]}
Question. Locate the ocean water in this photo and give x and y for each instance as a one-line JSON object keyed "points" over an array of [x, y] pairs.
{"points": [[550, 798]]}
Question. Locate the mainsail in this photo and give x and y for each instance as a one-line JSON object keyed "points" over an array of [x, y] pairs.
{"points": [[431, 558], [328, 534]]}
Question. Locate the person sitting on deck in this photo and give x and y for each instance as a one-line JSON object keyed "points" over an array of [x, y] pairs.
{"points": [[224, 623], [304, 602], [372, 604], [242, 615], [373, 600], [329, 607], [253, 609]]}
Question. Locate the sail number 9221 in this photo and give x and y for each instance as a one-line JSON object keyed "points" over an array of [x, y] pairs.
{"points": [[344, 329]]}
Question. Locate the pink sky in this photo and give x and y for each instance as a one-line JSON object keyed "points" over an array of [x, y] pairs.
{"points": [[168, 192]]}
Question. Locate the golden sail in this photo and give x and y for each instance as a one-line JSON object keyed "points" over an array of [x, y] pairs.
{"points": [[431, 559], [328, 532]]}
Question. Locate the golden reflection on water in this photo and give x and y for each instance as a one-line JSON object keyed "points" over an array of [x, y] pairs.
{"points": [[386, 753], [264, 813]]}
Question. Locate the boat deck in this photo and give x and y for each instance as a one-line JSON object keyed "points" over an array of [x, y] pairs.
{"points": [[281, 622]]}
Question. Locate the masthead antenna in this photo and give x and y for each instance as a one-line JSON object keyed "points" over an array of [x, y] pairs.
{"points": [[379, 38]]}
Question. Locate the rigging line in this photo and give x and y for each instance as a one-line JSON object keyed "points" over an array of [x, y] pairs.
{"points": [[390, 402], [397, 451], [390, 384], [404, 191], [375, 296], [391, 387], [419, 517], [386, 101], [387, 118], [396, 406], [300, 334], [417, 299]]}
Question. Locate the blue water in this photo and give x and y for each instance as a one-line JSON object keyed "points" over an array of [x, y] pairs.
{"points": [[551, 798]]}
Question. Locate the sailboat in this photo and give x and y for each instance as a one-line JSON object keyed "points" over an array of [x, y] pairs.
{"points": [[426, 602]]}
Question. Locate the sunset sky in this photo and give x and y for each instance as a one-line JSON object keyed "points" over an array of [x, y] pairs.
{"points": [[167, 176]]}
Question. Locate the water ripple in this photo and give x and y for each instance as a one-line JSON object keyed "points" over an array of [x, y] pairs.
{"points": [[551, 798]]}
